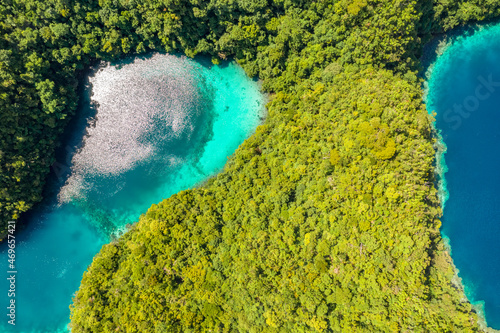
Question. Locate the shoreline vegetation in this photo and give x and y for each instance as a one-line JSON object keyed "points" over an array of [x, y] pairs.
{"points": [[324, 220]]}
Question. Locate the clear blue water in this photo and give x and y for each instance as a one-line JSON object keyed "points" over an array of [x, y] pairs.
{"points": [[154, 126], [464, 90]]}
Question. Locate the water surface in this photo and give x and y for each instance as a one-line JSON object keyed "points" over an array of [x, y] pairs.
{"points": [[146, 129], [464, 90]]}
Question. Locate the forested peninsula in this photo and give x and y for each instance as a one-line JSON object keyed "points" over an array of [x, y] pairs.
{"points": [[325, 220]]}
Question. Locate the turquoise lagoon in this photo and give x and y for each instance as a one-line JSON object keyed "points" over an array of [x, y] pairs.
{"points": [[463, 88], [146, 128]]}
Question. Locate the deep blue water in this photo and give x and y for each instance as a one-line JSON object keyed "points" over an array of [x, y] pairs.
{"points": [[464, 90], [146, 129]]}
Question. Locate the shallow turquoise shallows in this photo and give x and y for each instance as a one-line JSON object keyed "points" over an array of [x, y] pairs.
{"points": [[464, 90], [147, 128]]}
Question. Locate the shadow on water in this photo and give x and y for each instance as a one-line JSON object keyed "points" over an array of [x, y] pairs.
{"points": [[70, 141]]}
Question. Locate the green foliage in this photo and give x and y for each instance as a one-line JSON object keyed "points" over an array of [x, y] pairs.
{"points": [[450, 14], [325, 220], [334, 157], [281, 242]]}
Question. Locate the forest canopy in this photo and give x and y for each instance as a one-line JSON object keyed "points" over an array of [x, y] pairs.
{"points": [[325, 220]]}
